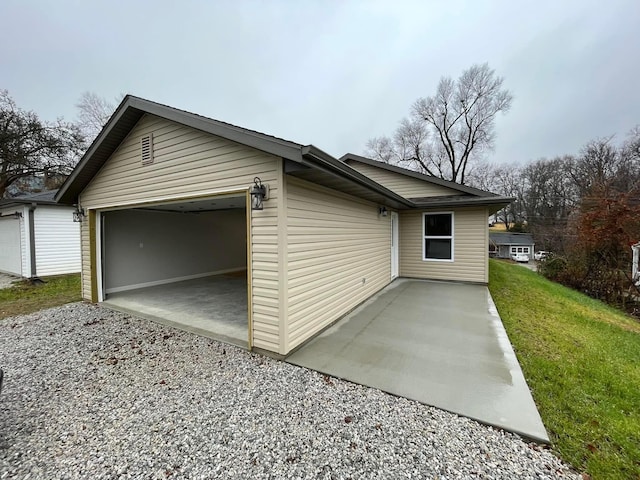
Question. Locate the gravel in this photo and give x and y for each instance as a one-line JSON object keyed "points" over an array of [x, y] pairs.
{"points": [[92, 393]]}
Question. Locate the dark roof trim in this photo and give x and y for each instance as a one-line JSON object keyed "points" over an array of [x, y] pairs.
{"points": [[509, 238], [461, 201], [40, 198], [131, 109], [323, 160], [420, 176]]}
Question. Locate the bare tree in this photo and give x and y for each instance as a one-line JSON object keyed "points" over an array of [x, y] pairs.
{"points": [[30, 147], [450, 129], [549, 197], [93, 113], [482, 175]]}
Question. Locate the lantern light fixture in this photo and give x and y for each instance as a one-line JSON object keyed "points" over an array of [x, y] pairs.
{"points": [[78, 214], [259, 193]]}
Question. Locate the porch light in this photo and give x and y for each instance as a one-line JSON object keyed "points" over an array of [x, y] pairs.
{"points": [[259, 193], [382, 211], [78, 214]]}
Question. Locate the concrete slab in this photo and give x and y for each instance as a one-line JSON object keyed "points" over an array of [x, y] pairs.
{"points": [[214, 307], [439, 343]]}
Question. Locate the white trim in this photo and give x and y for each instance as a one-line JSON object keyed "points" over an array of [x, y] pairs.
{"points": [[424, 237], [100, 278], [635, 267], [233, 192], [395, 250], [26, 272], [172, 280]]}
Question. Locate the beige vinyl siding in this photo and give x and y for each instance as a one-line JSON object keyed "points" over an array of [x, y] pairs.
{"points": [[334, 241], [190, 163], [403, 185], [470, 245]]}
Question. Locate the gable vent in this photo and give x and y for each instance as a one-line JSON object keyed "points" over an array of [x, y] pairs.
{"points": [[147, 149]]}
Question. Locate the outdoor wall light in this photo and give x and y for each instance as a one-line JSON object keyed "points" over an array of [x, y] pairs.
{"points": [[78, 214], [382, 211], [259, 193]]}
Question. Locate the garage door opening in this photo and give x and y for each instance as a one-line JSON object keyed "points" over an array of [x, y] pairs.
{"points": [[182, 264]]}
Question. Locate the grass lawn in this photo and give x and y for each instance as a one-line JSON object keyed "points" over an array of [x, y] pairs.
{"points": [[23, 297], [581, 359]]}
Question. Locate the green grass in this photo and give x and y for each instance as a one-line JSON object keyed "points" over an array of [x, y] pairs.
{"points": [[24, 297], [581, 359]]}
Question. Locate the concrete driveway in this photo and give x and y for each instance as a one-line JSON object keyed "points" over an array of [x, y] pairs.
{"points": [[442, 344]]}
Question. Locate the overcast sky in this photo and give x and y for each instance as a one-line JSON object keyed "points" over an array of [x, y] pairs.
{"points": [[334, 73]]}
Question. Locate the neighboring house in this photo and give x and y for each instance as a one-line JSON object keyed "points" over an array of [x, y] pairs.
{"points": [[38, 236], [166, 196], [506, 244]]}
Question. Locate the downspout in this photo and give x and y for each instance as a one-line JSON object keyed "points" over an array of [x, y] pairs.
{"points": [[32, 243]]}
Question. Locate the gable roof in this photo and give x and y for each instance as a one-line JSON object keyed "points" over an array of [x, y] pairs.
{"points": [[508, 238], [41, 198], [350, 157], [303, 161], [325, 168]]}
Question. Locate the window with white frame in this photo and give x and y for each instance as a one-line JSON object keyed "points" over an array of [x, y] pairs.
{"points": [[437, 241], [520, 250]]}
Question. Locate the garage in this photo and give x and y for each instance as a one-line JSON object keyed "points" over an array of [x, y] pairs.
{"points": [[182, 263], [10, 254]]}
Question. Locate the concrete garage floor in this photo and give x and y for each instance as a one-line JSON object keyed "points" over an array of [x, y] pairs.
{"points": [[215, 306], [442, 344]]}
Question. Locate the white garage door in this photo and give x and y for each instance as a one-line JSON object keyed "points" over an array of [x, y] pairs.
{"points": [[10, 258]]}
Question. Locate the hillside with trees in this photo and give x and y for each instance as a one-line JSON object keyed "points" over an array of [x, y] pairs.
{"points": [[585, 208]]}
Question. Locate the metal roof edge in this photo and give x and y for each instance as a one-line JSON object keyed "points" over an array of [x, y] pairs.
{"points": [[113, 120], [495, 201], [337, 166], [260, 141], [251, 138], [420, 176]]}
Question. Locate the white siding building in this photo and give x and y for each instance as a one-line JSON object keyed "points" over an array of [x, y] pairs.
{"points": [[38, 237]]}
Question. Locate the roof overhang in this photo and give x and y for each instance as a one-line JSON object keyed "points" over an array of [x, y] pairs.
{"points": [[14, 202], [351, 157], [325, 170], [305, 162], [129, 112], [494, 203], [40, 198]]}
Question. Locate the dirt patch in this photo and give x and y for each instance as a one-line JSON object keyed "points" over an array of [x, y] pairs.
{"points": [[7, 280]]}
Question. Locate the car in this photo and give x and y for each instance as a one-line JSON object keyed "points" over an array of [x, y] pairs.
{"points": [[520, 257], [541, 255]]}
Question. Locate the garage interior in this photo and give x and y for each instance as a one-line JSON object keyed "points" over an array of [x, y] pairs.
{"points": [[183, 264]]}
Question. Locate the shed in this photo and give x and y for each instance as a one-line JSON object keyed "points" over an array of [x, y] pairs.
{"points": [[38, 236], [506, 244], [171, 229]]}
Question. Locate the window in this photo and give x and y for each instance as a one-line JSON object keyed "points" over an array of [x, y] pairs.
{"points": [[438, 237]]}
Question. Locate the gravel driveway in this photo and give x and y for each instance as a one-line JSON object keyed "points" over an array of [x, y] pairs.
{"points": [[91, 393]]}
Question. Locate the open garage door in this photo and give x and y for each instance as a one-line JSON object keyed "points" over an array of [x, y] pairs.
{"points": [[182, 263], [10, 247]]}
